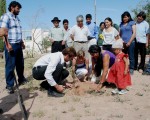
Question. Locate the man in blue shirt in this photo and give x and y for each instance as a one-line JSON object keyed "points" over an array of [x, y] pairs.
{"points": [[13, 49], [93, 30]]}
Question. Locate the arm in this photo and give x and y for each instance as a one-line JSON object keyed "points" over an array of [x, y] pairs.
{"points": [[147, 35], [71, 33], [87, 64], [105, 68], [126, 65], [50, 36], [73, 67], [133, 35], [96, 32], [93, 69]]}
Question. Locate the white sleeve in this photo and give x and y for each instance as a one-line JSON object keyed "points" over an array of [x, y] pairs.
{"points": [[147, 28], [116, 33], [71, 31], [50, 69]]}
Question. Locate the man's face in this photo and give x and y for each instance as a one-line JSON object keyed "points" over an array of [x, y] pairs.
{"points": [[15, 10], [56, 23], [140, 19], [88, 20], [66, 25], [80, 23]]}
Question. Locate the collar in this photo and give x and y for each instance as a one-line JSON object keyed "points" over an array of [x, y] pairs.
{"points": [[13, 16]]}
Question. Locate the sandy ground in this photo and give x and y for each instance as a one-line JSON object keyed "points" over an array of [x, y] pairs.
{"points": [[79, 103]]}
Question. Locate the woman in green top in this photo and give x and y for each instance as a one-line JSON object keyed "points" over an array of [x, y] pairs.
{"points": [[100, 36]]}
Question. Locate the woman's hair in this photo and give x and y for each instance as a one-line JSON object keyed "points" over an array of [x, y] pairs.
{"points": [[126, 13], [14, 4], [110, 20], [99, 61], [80, 53], [101, 23], [69, 51], [142, 14]]}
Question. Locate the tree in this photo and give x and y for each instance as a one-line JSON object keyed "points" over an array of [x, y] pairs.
{"points": [[46, 43], [2, 11], [144, 5]]}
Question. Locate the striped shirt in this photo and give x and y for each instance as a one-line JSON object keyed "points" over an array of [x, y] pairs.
{"points": [[12, 23]]}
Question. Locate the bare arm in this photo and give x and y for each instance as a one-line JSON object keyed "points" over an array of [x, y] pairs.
{"points": [[87, 64], [105, 68], [73, 67], [126, 65], [133, 35]]}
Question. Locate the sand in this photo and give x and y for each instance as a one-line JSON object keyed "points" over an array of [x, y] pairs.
{"points": [[79, 103]]}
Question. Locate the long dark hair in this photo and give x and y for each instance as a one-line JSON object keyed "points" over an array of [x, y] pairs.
{"points": [[126, 13], [99, 61]]}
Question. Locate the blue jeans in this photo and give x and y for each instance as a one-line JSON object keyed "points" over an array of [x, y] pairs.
{"points": [[12, 61], [148, 67], [130, 51]]}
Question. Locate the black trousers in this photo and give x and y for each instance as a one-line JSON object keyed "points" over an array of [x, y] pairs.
{"points": [[107, 47], [59, 74], [140, 47], [57, 46]]}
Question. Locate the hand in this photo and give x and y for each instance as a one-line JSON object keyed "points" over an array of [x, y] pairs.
{"points": [[128, 44], [99, 87], [125, 72], [9, 48], [68, 85], [147, 45], [51, 40], [23, 45], [59, 88], [63, 43]]}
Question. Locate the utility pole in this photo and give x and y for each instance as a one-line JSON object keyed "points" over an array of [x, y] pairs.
{"points": [[95, 10]]}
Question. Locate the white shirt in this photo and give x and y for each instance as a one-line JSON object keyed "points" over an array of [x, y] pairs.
{"points": [[141, 31], [51, 60], [109, 37], [80, 34], [57, 34], [67, 37]]}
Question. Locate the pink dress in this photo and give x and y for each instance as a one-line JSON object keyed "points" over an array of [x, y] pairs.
{"points": [[116, 73]]}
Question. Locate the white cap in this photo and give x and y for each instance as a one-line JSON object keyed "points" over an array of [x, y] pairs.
{"points": [[118, 44]]}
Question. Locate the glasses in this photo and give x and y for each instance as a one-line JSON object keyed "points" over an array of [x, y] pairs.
{"points": [[79, 21]]}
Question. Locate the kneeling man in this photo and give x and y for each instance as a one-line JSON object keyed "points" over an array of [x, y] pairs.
{"points": [[51, 68]]}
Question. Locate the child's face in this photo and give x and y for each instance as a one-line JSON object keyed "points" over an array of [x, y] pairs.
{"points": [[116, 51], [81, 58], [94, 55]]}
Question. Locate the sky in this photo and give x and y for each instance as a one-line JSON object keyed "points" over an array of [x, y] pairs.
{"points": [[39, 13]]}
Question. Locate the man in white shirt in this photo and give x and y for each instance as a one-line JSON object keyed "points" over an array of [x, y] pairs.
{"points": [[142, 28], [50, 67], [67, 38], [79, 34]]}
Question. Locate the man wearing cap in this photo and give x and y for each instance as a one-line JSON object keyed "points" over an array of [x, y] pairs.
{"points": [[93, 30], [56, 36], [79, 34]]}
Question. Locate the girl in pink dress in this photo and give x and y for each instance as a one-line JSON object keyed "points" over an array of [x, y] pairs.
{"points": [[119, 72]]}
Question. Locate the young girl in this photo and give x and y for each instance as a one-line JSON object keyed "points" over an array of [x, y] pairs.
{"points": [[119, 72], [80, 66]]}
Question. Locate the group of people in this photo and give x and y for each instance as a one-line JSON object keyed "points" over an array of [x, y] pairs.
{"points": [[104, 54]]}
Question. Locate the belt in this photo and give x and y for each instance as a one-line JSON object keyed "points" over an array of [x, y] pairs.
{"points": [[81, 41], [37, 67]]}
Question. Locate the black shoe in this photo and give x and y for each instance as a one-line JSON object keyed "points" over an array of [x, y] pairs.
{"points": [[1, 111], [23, 82], [10, 90], [52, 93]]}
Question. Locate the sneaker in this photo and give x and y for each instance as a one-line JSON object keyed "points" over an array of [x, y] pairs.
{"points": [[52, 93], [10, 90], [122, 92], [115, 91], [23, 82], [131, 71]]}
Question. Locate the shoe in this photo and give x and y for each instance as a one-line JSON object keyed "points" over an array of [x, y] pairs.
{"points": [[10, 90], [115, 91], [1, 111], [122, 92], [23, 82], [131, 71], [52, 93], [145, 73]]}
